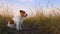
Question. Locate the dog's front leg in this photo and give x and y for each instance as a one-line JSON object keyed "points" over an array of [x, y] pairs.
{"points": [[20, 26], [17, 26]]}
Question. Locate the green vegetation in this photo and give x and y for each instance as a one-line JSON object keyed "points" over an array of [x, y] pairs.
{"points": [[45, 24], [3, 25]]}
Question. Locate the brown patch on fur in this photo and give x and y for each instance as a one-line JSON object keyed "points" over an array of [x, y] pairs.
{"points": [[11, 21]]}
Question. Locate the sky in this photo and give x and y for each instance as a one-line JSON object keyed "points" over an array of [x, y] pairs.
{"points": [[29, 5], [32, 3]]}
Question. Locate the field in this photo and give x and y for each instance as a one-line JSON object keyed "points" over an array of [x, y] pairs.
{"points": [[43, 24]]}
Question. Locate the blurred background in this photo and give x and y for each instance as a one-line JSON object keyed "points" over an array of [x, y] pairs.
{"points": [[43, 15], [11, 7]]}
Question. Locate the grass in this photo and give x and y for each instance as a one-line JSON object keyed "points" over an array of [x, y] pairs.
{"points": [[45, 24], [3, 25]]}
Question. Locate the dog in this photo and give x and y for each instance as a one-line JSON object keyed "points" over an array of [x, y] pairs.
{"points": [[17, 21]]}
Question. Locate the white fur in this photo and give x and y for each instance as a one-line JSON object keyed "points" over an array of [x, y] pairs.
{"points": [[18, 20]]}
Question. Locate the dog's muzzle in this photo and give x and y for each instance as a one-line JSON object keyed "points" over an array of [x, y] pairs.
{"points": [[25, 15]]}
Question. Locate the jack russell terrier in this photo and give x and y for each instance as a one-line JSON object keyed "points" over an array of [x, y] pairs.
{"points": [[17, 21]]}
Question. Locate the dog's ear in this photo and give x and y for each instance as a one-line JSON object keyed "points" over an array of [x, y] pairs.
{"points": [[11, 21]]}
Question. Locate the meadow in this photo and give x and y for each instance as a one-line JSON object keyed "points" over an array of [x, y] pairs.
{"points": [[44, 24]]}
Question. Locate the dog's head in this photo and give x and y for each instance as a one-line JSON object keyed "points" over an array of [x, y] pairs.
{"points": [[23, 13]]}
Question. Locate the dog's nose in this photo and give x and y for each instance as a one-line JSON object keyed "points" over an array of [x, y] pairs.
{"points": [[26, 14]]}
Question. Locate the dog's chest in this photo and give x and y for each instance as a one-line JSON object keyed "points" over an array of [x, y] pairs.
{"points": [[18, 19]]}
